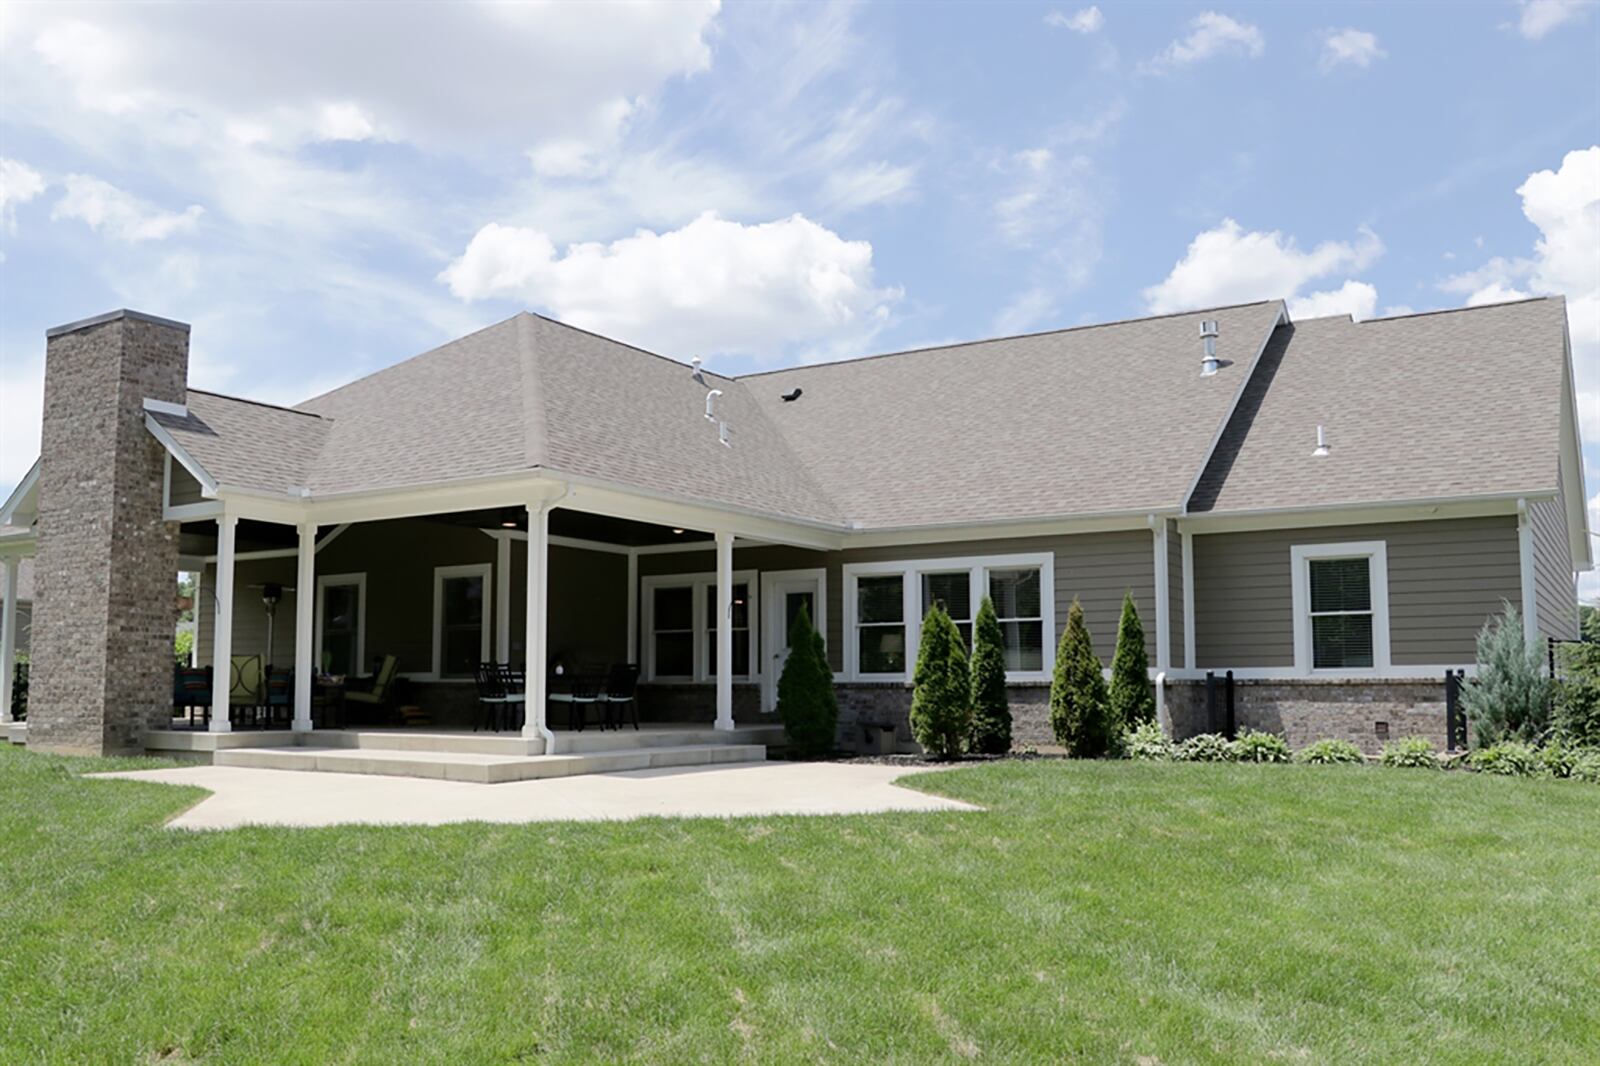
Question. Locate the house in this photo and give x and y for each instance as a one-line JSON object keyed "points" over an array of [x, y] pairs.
{"points": [[1328, 509]]}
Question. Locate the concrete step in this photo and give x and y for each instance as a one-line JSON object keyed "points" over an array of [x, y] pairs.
{"points": [[507, 744], [480, 767], [594, 740]]}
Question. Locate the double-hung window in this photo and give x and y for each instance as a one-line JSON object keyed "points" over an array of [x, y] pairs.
{"points": [[460, 619], [680, 626], [885, 603], [1341, 610]]}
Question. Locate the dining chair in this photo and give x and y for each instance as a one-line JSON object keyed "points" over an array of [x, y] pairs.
{"points": [[622, 685], [491, 697]]}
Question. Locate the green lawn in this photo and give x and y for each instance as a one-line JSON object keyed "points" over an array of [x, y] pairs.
{"points": [[1106, 912]]}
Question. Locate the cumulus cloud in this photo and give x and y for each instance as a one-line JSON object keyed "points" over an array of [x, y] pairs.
{"points": [[121, 216], [1210, 34], [1087, 20], [1539, 17], [1227, 265], [1564, 205], [1357, 299], [1349, 47], [712, 287], [19, 183]]}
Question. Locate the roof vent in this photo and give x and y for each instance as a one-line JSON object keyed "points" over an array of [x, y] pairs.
{"points": [[711, 399], [1208, 337], [791, 397], [1322, 443], [696, 372]]}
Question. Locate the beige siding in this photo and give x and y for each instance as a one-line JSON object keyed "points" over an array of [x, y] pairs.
{"points": [[1097, 568], [1445, 578], [185, 489], [1555, 586]]}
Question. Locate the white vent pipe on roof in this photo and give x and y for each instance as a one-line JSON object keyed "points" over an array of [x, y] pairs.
{"points": [[1209, 363], [1322, 443], [711, 399]]}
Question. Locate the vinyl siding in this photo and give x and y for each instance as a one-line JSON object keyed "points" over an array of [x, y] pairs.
{"points": [[1555, 586], [1097, 568], [185, 489], [1445, 578]]}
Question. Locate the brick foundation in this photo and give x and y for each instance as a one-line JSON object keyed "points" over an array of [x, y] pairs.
{"points": [[1310, 710]]}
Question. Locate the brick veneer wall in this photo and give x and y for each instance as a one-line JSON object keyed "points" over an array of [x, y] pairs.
{"points": [[105, 596], [1309, 710]]}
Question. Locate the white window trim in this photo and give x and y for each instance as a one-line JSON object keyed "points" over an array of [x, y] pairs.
{"points": [[911, 571], [339, 580], [770, 580], [484, 571], [697, 584], [1300, 556]]}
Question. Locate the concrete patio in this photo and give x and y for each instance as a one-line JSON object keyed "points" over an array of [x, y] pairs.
{"points": [[247, 796]]}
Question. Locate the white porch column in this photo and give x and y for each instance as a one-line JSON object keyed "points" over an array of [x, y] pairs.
{"points": [[724, 630], [222, 642], [633, 606], [8, 638], [536, 689], [502, 591], [305, 596], [1163, 606]]}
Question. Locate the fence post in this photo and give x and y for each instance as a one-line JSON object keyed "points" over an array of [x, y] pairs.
{"points": [[1232, 728], [1455, 724], [1211, 701]]}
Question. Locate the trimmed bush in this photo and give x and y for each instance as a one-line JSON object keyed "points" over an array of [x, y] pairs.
{"points": [[1131, 695], [991, 709], [806, 702], [1146, 741], [1509, 699], [1411, 753], [1586, 767], [1207, 747], [1255, 746], [941, 703], [1080, 714], [1330, 753], [1509, 758]]}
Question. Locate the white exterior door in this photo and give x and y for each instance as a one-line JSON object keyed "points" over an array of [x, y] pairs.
{"points": [[783, 593]]}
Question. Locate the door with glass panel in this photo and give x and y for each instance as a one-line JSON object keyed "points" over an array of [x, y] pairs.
{"points": [[785, 593]]}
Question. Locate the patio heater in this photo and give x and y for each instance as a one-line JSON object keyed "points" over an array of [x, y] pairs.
{"points": [[271, 593]]}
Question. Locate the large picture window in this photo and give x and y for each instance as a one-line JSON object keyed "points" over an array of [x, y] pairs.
{"points": [[460, 619], [886, 602], [1341, 611], [680, 626]]}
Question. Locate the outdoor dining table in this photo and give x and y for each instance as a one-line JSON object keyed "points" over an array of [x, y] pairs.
{"points": [[327, 701]]}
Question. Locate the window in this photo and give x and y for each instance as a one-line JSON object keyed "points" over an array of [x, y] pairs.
{"points": [[341, 624], [885, 603], [880, 625], [1019, 602], [1341, 607], [460, 619], [680, 624]]}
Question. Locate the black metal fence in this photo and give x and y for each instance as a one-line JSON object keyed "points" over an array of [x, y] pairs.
{"points": [[1455, 716], [1219, 704]]}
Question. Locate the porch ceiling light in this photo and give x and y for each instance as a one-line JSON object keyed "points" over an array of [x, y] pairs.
{"points": [[678, 531], [508, 518]]}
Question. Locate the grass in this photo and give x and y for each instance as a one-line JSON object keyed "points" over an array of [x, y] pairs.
{"points": [[1103, 912]]}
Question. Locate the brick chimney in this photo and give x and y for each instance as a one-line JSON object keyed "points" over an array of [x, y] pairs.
{"points": [[105, 594]]}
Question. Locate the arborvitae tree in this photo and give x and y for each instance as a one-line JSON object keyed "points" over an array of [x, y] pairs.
{"points": [[1132, 697], [806, 701], [1510, 697], [1078, 703], [991, 711], [941, 703]]}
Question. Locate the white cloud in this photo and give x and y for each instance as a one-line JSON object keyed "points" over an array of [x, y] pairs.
{"points": [[1564, 205], [711, 287], [1210, 34], [1053, 203], [1356, 48], [344, 122], [119, 215], [19, 183], [1357, 299], [1539, 17], [849, 189], [1088, 20], [1227, 265]]}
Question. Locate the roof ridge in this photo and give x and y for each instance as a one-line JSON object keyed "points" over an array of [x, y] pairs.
{"points": [[536, 442], [256, 403], [625, 344], [1010, 337], [1457, 310], [404, 362]]}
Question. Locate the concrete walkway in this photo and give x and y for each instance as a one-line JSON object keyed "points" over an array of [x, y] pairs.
{"points": [[245, 796]]}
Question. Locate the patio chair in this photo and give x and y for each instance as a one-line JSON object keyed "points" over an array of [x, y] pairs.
{"points": [[491, 698], [514, 682], [577, 693], [279, 695], [191, 691], [246, 689], [621, 686], [380, 696]]}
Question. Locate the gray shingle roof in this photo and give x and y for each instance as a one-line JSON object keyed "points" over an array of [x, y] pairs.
{"points": [[1429, 406], [1087, 421], [246, 444]]}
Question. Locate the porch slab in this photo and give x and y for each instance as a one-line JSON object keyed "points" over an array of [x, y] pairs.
{"points": [[16, 732], [247, 796]]}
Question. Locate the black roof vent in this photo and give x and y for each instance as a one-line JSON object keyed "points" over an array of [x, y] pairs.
{"points": [[791, 397]]}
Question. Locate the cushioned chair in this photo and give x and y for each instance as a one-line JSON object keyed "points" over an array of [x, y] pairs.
{"points": [[380, 697], [493, 699], [246, 689], [279, 696], [577, 693], [622, 683], [191, 691]]}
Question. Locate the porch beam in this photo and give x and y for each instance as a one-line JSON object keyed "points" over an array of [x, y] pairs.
{"points": [[724, 630], [305, 582], [222, 640], [8, 637], [538, 639]]}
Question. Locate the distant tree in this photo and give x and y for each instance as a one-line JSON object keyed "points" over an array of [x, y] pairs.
{"points": [[1132, 697], [1509, 699], [1079, 706], [941, 702], [806, 701], [991, 710], [1589, 622]]}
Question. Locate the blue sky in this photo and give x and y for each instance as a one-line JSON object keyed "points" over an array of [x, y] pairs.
{"points": [[323, 190]]}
